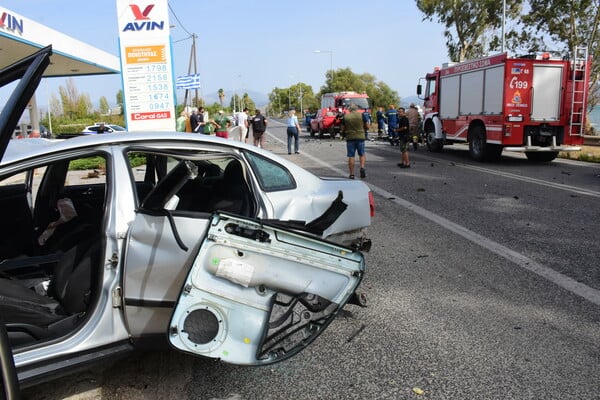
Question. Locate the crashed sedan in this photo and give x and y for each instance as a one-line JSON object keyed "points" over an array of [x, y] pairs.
{"points": [[208, 245]]}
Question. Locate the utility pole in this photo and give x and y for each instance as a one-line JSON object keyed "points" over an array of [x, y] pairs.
{"points": [[193, 63]]}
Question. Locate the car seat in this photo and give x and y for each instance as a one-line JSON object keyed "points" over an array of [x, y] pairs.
{"points": [[231, 193], [30, 316]]}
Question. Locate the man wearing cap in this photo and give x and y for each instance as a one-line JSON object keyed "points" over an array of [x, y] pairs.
{"points": [[222, 125], [353, 129]]}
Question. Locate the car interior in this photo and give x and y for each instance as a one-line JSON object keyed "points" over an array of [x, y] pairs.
{"points": [[50, 259], [214, 183], [49, 262]]}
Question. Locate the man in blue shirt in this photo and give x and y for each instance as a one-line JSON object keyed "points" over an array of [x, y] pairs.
{"points": [[392, 120], [380, 122]]}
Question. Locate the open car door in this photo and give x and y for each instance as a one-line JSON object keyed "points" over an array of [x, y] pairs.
{"points": [[220, 285], [258, 294], [9, 386]]}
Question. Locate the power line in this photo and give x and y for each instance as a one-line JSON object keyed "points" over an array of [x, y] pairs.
{"points": [[179, 21]]}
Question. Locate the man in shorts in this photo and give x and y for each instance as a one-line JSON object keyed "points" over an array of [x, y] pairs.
{"points": [[259, 126], [353, 130]]}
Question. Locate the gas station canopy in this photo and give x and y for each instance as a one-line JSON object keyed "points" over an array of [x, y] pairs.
{"points": [[20, 37]]}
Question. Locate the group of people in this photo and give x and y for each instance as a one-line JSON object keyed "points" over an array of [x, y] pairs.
{"points": [[198, 121], [402, 129]]}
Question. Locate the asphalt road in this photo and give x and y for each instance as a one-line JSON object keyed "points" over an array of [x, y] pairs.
{"points": [[483, 283]]}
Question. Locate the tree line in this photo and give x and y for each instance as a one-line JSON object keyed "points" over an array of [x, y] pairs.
{"points": [[473, 28]]}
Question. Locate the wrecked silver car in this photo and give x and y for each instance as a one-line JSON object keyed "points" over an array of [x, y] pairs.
{"points": [[208, 245]]}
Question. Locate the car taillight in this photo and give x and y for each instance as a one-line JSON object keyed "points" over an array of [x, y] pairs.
{"points": [[372, 204]]}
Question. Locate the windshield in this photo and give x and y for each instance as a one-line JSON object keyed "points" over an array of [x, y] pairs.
{"points": [[361, 102]]}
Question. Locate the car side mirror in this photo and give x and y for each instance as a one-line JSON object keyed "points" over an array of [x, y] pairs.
{"points": [[10, 384], [419, 90]]}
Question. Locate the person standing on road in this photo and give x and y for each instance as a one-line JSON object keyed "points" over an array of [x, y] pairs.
{"points": [[403, 137], [242, 119], [194, 120], [413, 121], [222, 125], [180, 123], [353, 130], [366, 116], [380, 115], [200, 120], [392, 120], [259, 126], [293, 129]]}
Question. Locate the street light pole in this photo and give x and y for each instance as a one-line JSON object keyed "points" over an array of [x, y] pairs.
{"points": [[330, 59]]}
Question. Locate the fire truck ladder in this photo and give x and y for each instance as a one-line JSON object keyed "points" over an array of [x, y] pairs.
{"points": [[579, 93]]}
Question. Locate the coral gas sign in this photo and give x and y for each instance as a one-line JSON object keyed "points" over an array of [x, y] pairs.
{"points": [[146, 65]]}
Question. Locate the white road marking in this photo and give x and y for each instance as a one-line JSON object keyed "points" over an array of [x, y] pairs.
{"points": [[563, 281], [509, 175]]}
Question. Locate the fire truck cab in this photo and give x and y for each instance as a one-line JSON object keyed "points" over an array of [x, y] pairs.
{"points": [[333, 107], [534, 104]]}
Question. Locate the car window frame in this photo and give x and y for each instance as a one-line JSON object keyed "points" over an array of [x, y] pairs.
{"points": [[260, 177]]}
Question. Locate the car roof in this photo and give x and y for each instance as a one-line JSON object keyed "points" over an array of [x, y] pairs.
{"points": [[20, 149]]}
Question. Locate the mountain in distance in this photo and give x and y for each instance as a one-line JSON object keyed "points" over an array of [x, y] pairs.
{"points": [[405, 101], [258, 98]]}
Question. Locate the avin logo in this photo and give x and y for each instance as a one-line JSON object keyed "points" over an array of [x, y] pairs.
{"points": [[143, 16]]}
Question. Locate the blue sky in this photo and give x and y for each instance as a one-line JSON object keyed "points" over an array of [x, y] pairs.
{"points": [[262, 44]]}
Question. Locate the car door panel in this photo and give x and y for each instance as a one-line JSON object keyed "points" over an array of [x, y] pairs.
{"points": [[156, 267], [258, 294]]}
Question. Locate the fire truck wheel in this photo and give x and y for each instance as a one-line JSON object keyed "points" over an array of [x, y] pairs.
{"points": [[434, 145], [477, 143], [545, 156]]}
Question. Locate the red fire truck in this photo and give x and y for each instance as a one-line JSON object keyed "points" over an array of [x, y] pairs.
{"points": [[327, 120], [534, 104]]}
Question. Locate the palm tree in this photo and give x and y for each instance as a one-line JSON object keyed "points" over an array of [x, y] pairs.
{"points": [[221, 96]]}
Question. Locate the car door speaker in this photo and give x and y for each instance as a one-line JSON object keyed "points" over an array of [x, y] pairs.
{"points": [[202, 327]]}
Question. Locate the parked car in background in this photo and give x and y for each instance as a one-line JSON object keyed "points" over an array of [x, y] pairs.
{"points": [[326, 122], [210, 246], [109, 128]]}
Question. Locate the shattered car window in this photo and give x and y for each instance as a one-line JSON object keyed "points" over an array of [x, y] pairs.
{"points": [[271, 176]]}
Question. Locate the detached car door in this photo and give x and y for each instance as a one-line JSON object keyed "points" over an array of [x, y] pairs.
{"points": [[259, 294], [235, 288]]}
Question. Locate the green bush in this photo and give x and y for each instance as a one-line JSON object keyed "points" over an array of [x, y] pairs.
{"points": [[87, 163], [135, 159]]}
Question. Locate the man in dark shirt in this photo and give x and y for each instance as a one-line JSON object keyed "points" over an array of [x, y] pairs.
{"points": [[403, 137], [353, 129]]}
